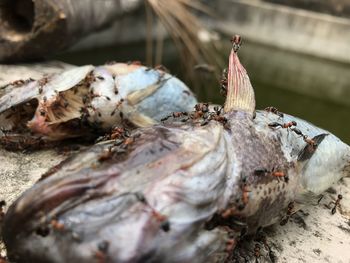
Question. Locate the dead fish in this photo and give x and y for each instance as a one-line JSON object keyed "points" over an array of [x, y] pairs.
{"points": [[89, 100], [178, 191]]}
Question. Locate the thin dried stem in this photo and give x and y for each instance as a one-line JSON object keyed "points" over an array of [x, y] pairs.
{"points": [[149, 35], [184, 28]]}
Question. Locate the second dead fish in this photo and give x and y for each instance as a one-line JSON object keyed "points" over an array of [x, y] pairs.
{"points": [[87, 101]]}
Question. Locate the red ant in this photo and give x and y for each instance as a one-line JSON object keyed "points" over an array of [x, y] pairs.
{"points": [[236, 41], [309, 141], [245, 193], [289, 213], [257, 252], [101, 253], [164, 223], [284, 125], [278, 174], [297, 131], [275, 111], [57, 225]]}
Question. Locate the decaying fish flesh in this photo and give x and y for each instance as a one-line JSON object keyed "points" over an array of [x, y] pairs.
{"points": [[87, 100], [181, 191]]}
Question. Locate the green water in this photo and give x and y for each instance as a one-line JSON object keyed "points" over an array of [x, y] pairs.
{"points": [[313, 89]]}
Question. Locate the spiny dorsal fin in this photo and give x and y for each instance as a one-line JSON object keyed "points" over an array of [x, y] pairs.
{"points": [[240, 93]]}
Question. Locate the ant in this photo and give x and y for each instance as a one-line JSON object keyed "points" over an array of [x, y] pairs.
{"points": [[164, 222], [275, 111], [201, 110], [230, 245], [101, 253], [228, 212], [280, 174], [309, 141], [245, 193], [224, 82], [236, 41], [260, 172], [118, 133], [106, 155], [57, 225], [117, 107], [297, 131], [261, 238], [42, 82], [289, 213], [284, 125], [336, 204], [219, 118], [257, 252], [162, 68]]}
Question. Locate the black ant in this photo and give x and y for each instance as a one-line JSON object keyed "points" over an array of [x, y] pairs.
{"points": [[336, 204], [297, 131]]}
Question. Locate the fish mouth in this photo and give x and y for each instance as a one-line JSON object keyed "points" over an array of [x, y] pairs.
{"points": [[60, 117], [63, 115]]}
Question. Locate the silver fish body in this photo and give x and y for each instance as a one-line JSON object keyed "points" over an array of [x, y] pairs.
{"points": [[89, 100], [165, 197]]}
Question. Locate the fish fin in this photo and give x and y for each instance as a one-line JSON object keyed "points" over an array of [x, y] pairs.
{"points": [[137, 96], [240, 93], [307, 197], [309, 150], [141, 120]]}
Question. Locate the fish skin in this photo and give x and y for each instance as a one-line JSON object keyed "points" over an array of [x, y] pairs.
{"points": [[190, 174], [87, 101]]}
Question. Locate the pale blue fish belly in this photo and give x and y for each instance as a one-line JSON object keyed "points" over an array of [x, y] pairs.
{"points": [[172, 96]]}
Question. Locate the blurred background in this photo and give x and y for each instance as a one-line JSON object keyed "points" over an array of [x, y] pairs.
{"points": [[297, 52]]}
